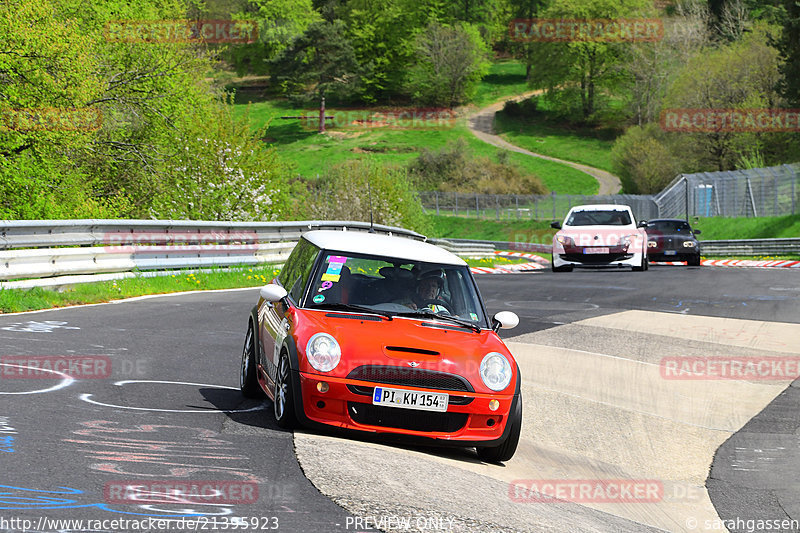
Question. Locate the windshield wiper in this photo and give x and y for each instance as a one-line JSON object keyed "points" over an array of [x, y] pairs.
{"points": [[450, 318], [352, 307]]}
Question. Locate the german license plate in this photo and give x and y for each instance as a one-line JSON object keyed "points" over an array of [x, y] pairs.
{"points": [[595, 250], [409, 399], [670, 252]]}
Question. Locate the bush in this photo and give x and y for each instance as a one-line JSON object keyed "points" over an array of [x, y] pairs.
{"points": [[643, 160], [342, 193], [526, 108], [452, 168]]}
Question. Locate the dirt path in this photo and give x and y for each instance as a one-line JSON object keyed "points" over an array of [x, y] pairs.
{"points": [[481, 124]]}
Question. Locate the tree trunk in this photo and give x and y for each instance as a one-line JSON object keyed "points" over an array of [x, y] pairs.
{"points": [[322, 114]]}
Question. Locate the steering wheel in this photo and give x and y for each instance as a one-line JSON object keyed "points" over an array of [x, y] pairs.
{"points": [[440, 303]]}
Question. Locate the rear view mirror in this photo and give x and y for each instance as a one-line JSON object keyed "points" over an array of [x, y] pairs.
{"points": [[555, 225], [273, 293], [504, 320]]}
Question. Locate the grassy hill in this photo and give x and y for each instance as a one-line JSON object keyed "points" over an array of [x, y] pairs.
{"points": [[298, 141]]}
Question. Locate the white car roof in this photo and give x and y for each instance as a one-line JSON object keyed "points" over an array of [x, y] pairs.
{"points": [[601, 207], [383, 245]]}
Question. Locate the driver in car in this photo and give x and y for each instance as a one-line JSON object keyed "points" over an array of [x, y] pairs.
{"points": [[428, 292]]}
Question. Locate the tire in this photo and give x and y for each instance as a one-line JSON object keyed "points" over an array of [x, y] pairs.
{"points": [[248, 379], [693, 261], [506, 449], [561, 268], [644, 266], [284, 394]]}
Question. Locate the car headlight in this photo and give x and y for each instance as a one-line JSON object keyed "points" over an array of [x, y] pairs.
{"points": [[565, 240], [652, 244], [688, 244], [495, 371], [323, 352]]}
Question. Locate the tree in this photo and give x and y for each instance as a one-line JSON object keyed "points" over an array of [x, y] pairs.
{"points": [[318, 63], [644, 161], [279, 23], [525, 10], [741, 75], [575, 72], [448, 64], [649, 67], [789, 46]]}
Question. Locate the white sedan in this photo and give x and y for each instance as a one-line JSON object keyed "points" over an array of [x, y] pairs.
{"points": [[594, 236]]}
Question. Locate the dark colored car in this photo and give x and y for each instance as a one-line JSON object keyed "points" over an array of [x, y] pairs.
{"points": [[671, 239]]}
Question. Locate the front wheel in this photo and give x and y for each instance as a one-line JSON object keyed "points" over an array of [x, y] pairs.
{"points": [[506, 450], [248, 379], [645, 264], [284, 394]]}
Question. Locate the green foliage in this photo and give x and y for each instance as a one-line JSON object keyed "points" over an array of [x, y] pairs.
{"points": [[448, 64], [146, 103], [319, 62], [643, 161], [279, 23], [343, 193], [522, 109], [741, 75], [453, 168], [789, 46], [221, 172], [578, 74]]}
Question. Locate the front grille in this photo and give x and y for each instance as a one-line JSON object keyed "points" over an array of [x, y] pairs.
{"points": [[410, 377], [414, 420], [367, 391], [592, 259]]}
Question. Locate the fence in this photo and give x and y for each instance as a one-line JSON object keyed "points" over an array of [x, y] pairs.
{"points": [[754, 192]]}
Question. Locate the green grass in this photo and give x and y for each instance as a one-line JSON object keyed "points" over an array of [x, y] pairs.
{"points": [[16, 300], [531, 231], [538, 231], [505, 78], [311, 153], [720, 228], [297, 141], [547, 136]]}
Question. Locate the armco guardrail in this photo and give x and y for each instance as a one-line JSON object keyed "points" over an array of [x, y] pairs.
{"points": [[751, 247], [53, 249]]}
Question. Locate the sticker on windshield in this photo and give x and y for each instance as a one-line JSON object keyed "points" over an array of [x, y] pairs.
{"points": [[335, 264], [473, 316], [318, 299], [325, 286]]}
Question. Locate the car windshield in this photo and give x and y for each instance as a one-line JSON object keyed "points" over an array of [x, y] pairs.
{"points": [[669, 226], [611, 217], [361, 282]]}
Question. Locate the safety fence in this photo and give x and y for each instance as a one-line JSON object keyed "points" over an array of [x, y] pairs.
{"points": [[771, 191]]}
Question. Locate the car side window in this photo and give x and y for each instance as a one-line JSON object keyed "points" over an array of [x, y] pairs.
{"points": [[297, 269]]}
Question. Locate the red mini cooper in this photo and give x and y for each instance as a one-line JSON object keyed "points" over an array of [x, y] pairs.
{"points": [[388, 335]]}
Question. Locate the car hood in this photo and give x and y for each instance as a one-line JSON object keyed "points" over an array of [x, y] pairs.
{"points": [[405, 342]]}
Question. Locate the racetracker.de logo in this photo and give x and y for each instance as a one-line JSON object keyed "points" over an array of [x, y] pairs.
{"points": [[399, 118], [203, 492], [732, 368], [586, 490], [51, 119], [731, 120], [210, 242], [44, 366], [586, 30], [181, 31]]}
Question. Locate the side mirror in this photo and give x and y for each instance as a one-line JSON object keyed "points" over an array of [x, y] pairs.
{"points": [[642, 224], [504, 320], [273, 293], [696, 231], [555, 225]]}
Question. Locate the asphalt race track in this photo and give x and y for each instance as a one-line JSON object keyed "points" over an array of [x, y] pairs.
{"points": [[150, 400]]}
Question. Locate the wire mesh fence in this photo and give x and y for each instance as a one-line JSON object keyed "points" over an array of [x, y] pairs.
{"points": [[754, 192]]}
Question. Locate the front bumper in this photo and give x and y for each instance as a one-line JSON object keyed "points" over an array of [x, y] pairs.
{"points": [[615, 258], [348, 405]]}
